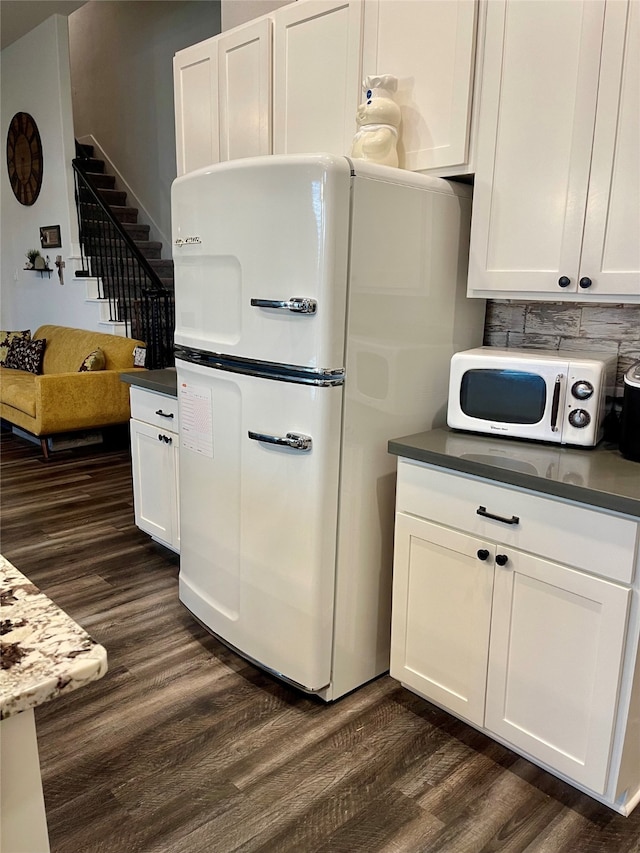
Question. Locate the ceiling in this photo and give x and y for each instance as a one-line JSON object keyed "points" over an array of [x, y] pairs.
{"points": [[17, 17]]}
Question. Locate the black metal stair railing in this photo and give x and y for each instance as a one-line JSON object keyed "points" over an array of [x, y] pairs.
{"points": [[126, 281]]}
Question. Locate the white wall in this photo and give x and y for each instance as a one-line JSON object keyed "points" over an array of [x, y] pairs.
{"points": [[35, 79], [122, 80], [236, 12]]}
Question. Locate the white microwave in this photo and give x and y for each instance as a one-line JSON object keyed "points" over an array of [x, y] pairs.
{"points": [[544, 395]]}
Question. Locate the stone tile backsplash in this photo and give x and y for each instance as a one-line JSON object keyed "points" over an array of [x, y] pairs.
{"points": [[570, 326]]}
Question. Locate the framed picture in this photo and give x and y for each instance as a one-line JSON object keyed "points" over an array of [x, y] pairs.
{"points": [[139, 356], [50, 237]]}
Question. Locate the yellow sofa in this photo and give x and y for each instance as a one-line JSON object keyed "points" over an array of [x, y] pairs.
{"points": [[62, 399]]}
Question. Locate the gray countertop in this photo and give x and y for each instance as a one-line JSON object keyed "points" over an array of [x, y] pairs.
{"points": [[163, 381], [600, 476]]}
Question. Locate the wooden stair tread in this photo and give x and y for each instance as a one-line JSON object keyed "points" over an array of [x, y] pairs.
{"points": [[92, 165], [113, 196], [101, 180]]}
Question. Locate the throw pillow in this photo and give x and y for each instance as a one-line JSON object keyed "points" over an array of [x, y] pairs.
{"points": [[26, 355], [94, 361], [7, 337]]}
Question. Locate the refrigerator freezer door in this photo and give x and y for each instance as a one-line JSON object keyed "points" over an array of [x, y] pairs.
{"points": [[260, 254], [258, 516]]}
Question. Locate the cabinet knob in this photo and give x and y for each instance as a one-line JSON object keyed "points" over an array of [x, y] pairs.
{"points": [[585, 282], [564, 281], [483, 554], [502, 559]]}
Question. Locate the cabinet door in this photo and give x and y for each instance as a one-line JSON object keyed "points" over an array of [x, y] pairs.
{"points": [[430, 48], [244, 90], [611, 252], [536, 123], [441, 614], [557, 642], [155, 481], [195, 84], [316, 76]]}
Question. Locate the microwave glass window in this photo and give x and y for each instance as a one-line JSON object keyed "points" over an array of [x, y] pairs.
{"points": [[504, 396]]}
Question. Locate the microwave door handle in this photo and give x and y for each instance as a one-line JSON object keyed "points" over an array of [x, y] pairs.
{"points": [[555, 403]]}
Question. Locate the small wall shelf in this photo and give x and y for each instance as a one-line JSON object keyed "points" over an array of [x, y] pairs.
{"points": [[47, 270]]}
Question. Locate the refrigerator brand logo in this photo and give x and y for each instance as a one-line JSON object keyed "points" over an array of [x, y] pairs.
{"points": [[187, 241]]}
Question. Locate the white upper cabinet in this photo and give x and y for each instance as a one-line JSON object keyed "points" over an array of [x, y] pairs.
{"points": [[549, 216], [430, 47], [611, 248], [316, 76], [291, 82], [195, 85], [244, 90]]}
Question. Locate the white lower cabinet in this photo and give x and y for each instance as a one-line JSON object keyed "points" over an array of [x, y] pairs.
{"points": [[557, 637], [441, 615], [154, 456], [539, 654]]}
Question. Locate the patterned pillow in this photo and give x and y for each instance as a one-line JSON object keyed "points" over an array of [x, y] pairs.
{"points": [[7, 337], [26, 355], [94, 361]]}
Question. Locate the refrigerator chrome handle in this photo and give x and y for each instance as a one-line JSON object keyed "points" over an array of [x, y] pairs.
{"points": [[295, 440], [297, 304]]}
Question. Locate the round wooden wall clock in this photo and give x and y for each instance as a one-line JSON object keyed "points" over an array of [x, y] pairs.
{"points": [[24, 158]]}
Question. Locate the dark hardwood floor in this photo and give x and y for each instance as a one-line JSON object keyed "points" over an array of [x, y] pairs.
{"points": [[183, 747]]}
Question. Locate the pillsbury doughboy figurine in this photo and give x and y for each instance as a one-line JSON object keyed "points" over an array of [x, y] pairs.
{"points": [[378, 119]]}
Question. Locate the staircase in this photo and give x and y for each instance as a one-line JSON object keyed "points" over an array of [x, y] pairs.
{"points": [[133, 280]]}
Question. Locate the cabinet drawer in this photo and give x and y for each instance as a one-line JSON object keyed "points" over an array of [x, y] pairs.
{"points": [[160, 410], [575, 535]]}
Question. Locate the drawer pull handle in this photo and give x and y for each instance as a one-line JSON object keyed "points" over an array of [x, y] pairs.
{"points": [[482, 510], [164, 414]]}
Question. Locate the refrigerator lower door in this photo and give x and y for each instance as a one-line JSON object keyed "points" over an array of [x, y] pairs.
{"points": [[259, 471]]}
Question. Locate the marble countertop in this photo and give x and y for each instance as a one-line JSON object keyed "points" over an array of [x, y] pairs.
{"points": [[599, 476], [44, 652], [163, 381]]}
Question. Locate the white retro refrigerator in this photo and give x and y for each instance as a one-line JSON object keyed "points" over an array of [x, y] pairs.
{"points": [[318, 302]]}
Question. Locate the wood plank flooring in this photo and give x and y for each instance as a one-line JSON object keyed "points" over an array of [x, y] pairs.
{"points": [[184, 747]]}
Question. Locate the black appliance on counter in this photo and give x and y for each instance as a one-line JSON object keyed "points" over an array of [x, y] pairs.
{"points": [[630, 419]]}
